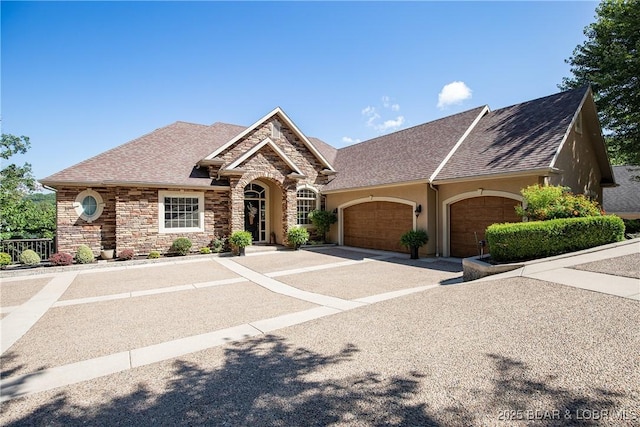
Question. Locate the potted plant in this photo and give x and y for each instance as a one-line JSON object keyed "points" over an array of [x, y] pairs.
{"points": [[413, 239], [297, 236], [107, 253], [240, 240]]}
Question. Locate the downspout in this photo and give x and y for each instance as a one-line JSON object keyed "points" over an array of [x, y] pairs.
{"points": [[437, 222]]}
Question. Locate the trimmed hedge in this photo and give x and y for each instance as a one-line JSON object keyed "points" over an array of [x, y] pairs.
{"points": [[539, 239]]}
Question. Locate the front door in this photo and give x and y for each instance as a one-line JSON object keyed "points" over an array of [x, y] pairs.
{"points": [[255, 216]]}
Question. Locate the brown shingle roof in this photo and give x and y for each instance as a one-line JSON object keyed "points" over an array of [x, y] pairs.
{"points": [[513, 139], [165, 156], [626, 197], [407, 155]]}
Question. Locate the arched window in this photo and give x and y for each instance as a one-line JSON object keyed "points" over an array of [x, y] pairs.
{"points": [[307, 202]]}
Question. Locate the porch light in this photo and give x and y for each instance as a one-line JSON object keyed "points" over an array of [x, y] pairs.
{"points": [[418, 210]]}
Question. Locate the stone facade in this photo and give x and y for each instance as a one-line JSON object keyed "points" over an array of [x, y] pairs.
{"points": [[73, 231], [130, 219]]}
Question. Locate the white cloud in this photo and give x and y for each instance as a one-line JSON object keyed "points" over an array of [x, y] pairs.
{"points": [[374, 116], [390, 124], [349, 140], [453, 93], [368, 111]]}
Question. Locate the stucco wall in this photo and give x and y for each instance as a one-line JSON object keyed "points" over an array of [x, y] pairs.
{"points": [[451, 193], [578, 165], [417, 193]]}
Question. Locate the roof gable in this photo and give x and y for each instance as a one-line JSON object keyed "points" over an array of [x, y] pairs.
{"points": [[518, 138], [266, 142], [288, 122]]}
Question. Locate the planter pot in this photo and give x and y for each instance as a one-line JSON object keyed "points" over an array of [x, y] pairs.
{"points": [[107, 253], [241, 251], [414, 252]]}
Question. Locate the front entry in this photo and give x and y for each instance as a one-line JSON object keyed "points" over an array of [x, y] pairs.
{"points": [[255, 211]]}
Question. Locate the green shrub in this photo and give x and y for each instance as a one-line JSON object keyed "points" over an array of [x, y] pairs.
{"points": [[241, 239], [414, 238], [29, 257], [539, 239], [552, 202], [181, 246], [84, 255], [218, 243], [153, 255], [126, 254], [297, 236], [5, 259], [206, 250], [322, 221], [61, 258]]}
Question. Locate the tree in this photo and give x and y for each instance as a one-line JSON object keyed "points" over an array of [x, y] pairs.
{"points": [[609, 60], [19, 215]]}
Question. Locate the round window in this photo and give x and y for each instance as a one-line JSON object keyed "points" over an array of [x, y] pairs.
{"points": [[89, 205]]}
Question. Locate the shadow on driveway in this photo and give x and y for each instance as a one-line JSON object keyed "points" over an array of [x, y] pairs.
{"points": [[266, 381]]}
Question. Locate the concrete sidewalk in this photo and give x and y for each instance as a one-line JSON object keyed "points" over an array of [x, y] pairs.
{"points": [[610, 269]]}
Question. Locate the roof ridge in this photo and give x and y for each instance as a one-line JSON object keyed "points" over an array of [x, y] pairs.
{"points": [[413, 127], [554, 95]]}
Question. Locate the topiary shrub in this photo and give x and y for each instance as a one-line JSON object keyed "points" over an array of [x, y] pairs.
{"points": [[29, 257], [241, 239], [539, 239], [61, 258], [181, 246], [126, 254], [153, 255], [545, 202], [322, 221], [84, 255], [297, 236], [206, 250], [5, 259]]}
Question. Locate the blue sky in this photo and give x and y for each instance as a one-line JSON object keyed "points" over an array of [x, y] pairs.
{"points": [[80, 78]]}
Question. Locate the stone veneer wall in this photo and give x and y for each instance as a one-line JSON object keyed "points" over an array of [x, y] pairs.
{"points": [[138, 227], [130, 221], [72, 231], [268, 165]]}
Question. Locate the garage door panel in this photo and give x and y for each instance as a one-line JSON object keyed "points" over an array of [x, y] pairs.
{"points": [[377, 225], [472, 216]]}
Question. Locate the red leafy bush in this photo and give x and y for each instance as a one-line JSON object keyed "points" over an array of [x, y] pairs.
{"points": [[126, 254], [61, 258]]}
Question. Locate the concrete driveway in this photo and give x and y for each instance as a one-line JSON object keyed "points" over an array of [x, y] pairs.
{"points": [[330, 336]]}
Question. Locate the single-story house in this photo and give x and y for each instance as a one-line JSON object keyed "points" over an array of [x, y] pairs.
{"points": [[452, 176], [624, 200]]}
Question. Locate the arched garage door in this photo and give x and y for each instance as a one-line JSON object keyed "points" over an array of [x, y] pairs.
{"points": [[377, 225], [475, 215]]}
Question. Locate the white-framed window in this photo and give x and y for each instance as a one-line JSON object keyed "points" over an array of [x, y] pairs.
{"points": [[89, 205], [180, 211], [307, 202]]}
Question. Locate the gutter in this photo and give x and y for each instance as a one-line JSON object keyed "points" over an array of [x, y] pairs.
{"points": [[437, 191]]}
